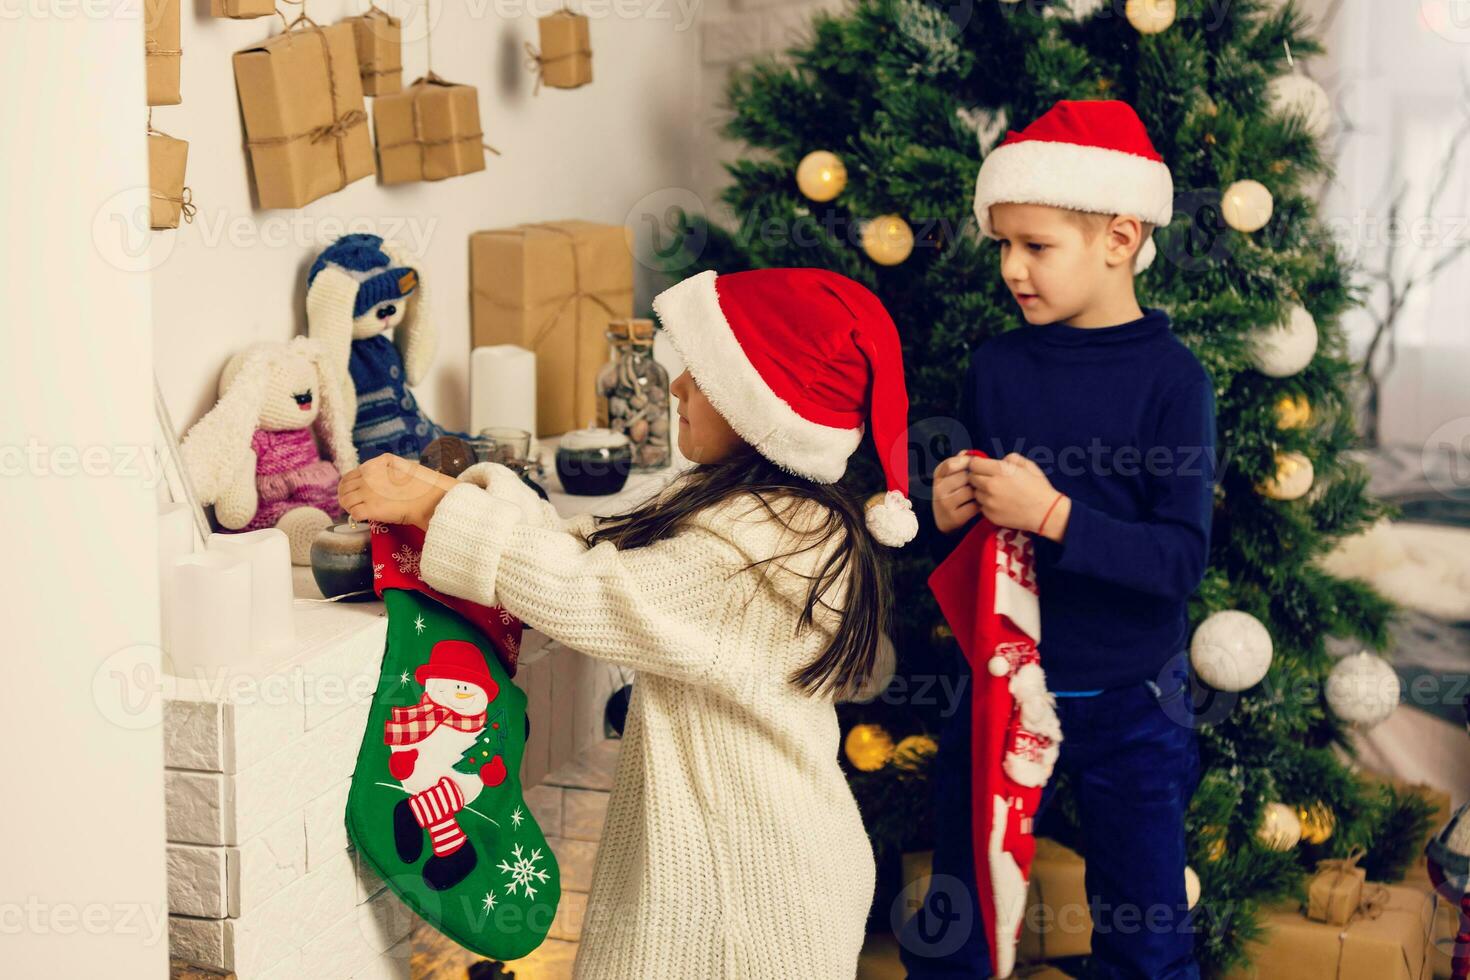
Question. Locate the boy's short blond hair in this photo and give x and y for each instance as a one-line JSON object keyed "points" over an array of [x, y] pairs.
{"points": [[1093, 222]]}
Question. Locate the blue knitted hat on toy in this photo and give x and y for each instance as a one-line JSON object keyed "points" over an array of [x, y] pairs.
{"points": [[362, 256]]}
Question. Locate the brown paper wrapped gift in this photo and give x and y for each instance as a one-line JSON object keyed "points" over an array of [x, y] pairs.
{"points": [[1388, 941], [565, 58], [379, 51], [429, 131], [553, 288], [161, 51], [304, 119], [167, 195], [1058, 922], [241, 9], [1336, 890]]}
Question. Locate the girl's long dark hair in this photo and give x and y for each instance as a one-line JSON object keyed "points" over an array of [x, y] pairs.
{"points": [[843, 667]]}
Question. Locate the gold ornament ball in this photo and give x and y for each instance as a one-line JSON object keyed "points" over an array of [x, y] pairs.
{"points": [[1150, 16], [913, 751], [1191, 887], [1247, 205], [1217, 849], [1318, 822], [1293, 411], [821, 175], [888, 239], [868, 747], [1292, 480], [1280, 829]]}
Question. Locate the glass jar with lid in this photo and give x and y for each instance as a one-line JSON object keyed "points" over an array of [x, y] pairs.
{"points": [[633, 394]]}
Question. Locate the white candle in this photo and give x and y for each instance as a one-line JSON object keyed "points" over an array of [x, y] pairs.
{"points": [[502, 387], [209, 619], [268, 553], [175, 540]]}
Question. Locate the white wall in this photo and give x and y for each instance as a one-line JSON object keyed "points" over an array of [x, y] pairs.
{"points": [[237, 275], [82, 858]]}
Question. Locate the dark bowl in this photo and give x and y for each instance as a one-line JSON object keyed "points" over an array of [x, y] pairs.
{"points": [[594, 472]]}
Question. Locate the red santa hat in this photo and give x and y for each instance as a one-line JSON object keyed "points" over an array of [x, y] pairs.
{"points": [[457, 660], [1083, 155], [800, 362]]}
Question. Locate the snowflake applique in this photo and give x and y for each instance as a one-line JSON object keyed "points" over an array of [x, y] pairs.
{"points": [[377, 571], [516, 816], [524, 873], [377, 527], [408, 561], [512, 644], [418, 623], [403, 677], [506, 618], [489, 902]]}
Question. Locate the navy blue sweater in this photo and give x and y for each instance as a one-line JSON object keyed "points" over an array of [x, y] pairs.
{"points": [[1122, 420]]}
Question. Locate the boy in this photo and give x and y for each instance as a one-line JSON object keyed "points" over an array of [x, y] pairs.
{"points": [[1100, 425]]}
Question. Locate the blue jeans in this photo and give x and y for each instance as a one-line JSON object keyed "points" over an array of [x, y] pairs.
{"points": [[1133, 759]]}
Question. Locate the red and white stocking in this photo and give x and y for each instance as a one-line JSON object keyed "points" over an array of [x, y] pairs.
{"points": [[434, 809]]}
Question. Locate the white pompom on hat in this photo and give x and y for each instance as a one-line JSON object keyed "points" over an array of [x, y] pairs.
{"points": [[1088, 155], [800, 362]]}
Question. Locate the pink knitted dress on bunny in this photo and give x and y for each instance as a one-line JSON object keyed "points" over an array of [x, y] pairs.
{"points": [[290, 473]]}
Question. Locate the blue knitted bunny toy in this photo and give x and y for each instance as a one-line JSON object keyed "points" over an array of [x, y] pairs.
{"points": [[360, 291]]}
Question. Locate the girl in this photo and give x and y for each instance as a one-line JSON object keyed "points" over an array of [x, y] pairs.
{"points": [[749, 596]]}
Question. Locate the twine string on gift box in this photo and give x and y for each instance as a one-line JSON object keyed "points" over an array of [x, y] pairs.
{"points": [[536, 63], [341, 122], [370, 68], [418, 88], [185, 200], [1372, 906]]}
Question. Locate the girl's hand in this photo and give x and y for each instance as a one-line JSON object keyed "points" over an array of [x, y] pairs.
{"points": [[1014, 492], [393, 490]]}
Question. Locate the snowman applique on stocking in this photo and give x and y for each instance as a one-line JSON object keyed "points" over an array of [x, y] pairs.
{"points": [[435, 808]]}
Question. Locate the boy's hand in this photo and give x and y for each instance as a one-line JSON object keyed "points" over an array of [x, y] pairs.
{"points": [[393, 490], [954, 500], [1014, 492]]}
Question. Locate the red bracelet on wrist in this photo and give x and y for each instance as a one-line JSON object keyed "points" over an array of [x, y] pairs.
{"points": [[1056, 500]]}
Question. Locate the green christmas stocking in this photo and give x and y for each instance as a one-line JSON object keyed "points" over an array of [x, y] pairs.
{"points": [[435, 806]]}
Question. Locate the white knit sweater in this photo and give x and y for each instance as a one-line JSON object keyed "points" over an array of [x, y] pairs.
{"points": [[733, 847]]}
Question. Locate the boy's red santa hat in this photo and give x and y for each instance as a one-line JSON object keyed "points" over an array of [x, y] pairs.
{"points": [[799, 362], [1083, 155]]}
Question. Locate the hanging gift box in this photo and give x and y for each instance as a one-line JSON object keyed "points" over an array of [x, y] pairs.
{"points": [[306, 128], [429, 131], [565, 58], [379, 51], [552, 288], [241, 9], [161, 51], [168, 198]]}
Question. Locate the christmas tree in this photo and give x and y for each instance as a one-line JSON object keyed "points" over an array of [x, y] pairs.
{"points": [[865, 143]]}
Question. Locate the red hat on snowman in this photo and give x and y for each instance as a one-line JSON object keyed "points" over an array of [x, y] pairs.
{"points": [[457, 660], [1090, 155], [800, 362]]}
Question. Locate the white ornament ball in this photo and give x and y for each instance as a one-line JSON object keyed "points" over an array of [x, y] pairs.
{"points": [[1285, 348], [1191, 887], [1247, 205], [1231, 650], [1298, 95], [1281, 828], [1150, 16], [1363, 689], [1292, 480]]}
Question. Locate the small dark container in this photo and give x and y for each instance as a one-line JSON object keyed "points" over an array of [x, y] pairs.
{"points": [[593, 462], [342, 562]]}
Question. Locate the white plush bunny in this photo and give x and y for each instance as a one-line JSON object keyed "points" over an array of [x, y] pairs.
{"points": [[366, 304], [256, 456]]}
